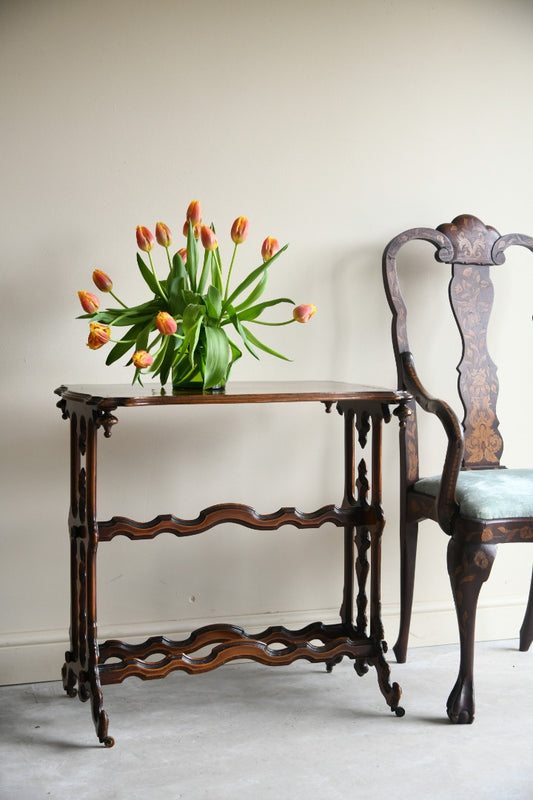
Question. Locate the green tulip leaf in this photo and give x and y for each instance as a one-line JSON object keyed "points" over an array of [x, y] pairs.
{"points": [[127, 341], [192, 257], [166, 364], [176, 286], [178, 267], [217, 356], [254, 340], [236, 353], [213, 302], [216, 271], [142, 337], [148, 276], [242, 333], [255, 311], [206, 269], [117, 352], [254, 295], [160, 355], [193, 319], [256, 273]]}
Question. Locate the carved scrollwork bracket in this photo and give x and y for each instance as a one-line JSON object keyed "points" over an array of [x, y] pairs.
{"points": [[62, 406], [105, 419], [402, 412]]}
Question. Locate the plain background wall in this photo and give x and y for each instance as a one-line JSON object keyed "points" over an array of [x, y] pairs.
{"points": [[332, 126]]}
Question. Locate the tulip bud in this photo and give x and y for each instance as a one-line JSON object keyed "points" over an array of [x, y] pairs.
{"points": [[239, 230], [269, 248], [196, 229], [183, 254], [89, 302], [194, 212], [304, 312], [163, 234], [98, 335], [145, 239], [165, 323], [102, 281], [142, 359], [209, 240]]}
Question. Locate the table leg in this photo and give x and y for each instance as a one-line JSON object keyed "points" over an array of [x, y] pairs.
{"points": [[80, 670]]}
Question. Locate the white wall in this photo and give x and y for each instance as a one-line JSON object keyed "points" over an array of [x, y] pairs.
{"points": [[332, 126]]}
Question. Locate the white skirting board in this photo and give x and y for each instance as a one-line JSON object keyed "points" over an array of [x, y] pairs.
{"points": [[35, 656]]}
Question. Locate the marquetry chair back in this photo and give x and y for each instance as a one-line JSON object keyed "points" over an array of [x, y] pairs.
{"points": [[475, 445]]}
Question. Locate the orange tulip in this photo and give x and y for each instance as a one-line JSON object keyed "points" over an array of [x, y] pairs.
{"points": [[165, 323], [194, 212], [89, 302], [304, 312], [239, 230], [102, 281], [269, 248], [196, 229], [209, 240], [145, 239], [163, 234], [142, 359], [98, 335], [183, 254]]}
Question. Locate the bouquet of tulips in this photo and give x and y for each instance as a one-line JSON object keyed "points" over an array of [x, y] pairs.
{"points": [[185, 330]]}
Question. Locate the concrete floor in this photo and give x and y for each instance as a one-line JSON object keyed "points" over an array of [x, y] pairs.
{"points": [[251, 732]]}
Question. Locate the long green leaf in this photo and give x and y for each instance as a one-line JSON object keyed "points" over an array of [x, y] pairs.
{"points": [[166, 364], [213, 302], [178, 267], [253, 276], [254, 295], [192, 257], [254, 311], [216, 271], [264, 347], [142, 337], [160, 355], [122, 347], [242, 333], [147, 274], [206, 269], [193, 318], [217, 357], [176, 287], [128, 319]]}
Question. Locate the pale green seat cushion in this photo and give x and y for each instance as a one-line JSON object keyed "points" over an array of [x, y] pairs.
{"points": [[489, 494]]}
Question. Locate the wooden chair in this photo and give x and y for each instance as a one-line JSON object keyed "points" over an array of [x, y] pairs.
{"points": [[475, 500]]}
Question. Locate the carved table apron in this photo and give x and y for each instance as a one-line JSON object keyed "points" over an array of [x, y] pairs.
{"points": [[90, 664]]}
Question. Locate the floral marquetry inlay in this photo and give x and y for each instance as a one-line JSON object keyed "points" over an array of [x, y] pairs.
{"points": [[472, 294], [471, 239]]}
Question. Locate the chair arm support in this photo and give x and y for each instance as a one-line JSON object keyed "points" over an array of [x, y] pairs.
{"points": [[447, 506]]}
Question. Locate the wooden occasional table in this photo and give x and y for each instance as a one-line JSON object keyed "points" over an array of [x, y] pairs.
{"points": [[90, 664]]}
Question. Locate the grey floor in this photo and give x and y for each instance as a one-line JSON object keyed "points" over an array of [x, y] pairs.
{"points": [[249, 731]]}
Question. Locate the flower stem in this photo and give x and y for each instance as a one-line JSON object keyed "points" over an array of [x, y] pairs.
{"points": [[273, 324], [230, 271], [118, 300], [161, 292]]}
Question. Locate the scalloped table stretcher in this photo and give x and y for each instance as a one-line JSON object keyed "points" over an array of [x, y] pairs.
{"points": [[90, 664]]}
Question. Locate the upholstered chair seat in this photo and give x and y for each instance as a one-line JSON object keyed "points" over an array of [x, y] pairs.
{"points": [[488, 494]]}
